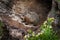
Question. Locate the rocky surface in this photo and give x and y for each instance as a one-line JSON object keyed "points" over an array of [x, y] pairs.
{"points": [[55, 13], [19, 16]]}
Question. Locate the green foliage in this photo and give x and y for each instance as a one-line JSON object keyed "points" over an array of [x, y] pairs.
{"points": [[46, 33], [1, 29], [57, 0]]}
